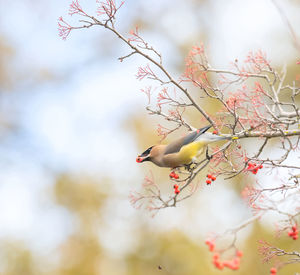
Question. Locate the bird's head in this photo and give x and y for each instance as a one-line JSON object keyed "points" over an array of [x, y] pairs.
{"points": [[145, 156]]}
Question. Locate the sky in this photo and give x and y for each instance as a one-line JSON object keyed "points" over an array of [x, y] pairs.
{"points": [[75, 122]]}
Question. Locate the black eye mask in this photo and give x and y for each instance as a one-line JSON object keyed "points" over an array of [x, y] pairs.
{"points": [[147, 152]]}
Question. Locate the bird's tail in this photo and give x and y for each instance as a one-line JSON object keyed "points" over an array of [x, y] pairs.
{"points": [[220, 137], [209, 138]]}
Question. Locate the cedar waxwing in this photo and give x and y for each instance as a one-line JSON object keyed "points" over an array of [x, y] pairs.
{"points": [[181, 151]]}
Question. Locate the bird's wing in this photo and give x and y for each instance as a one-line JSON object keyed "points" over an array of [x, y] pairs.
{"points": [[176, 145]]}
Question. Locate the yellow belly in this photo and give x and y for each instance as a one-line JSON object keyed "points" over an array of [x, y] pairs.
{"points": [[189, 151]]}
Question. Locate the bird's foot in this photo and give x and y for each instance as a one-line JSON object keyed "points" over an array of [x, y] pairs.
{"points": [[191, 166]]}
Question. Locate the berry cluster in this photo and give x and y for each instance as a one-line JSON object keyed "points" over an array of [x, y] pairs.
{"points": [[273, 271], [253, 167], [210, 178], [233, 264], [294, 232], [176, 189], [173, 175], [210, 244]]}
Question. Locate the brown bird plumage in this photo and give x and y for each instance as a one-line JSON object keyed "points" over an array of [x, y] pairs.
{"points": [[181, 151]]}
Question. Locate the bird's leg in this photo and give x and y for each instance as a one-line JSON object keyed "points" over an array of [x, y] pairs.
{"points": [[207, 155], [188, 166]]}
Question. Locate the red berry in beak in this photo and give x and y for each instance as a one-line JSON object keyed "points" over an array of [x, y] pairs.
{"points": [[139, 159]]}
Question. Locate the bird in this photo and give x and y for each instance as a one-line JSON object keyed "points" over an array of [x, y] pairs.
{"points": [[182, 151]]}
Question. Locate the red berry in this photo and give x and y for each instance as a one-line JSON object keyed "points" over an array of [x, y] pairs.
{"points": [[239, 253], [208, 181], [235, 267], [251, 166], [177, 191], [291, 233], [215, 132], [273, 270], [216, 256], [294, 227], [175, 186], [209, 176], [174, 175], [295, 237], [236, 261], [239, 147], [210, 244], [227, 264], [219, 265], [213, 178], [260, 166]]}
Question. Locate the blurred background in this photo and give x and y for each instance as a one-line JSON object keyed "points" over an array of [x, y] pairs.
{"points": [[72, 121]]}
